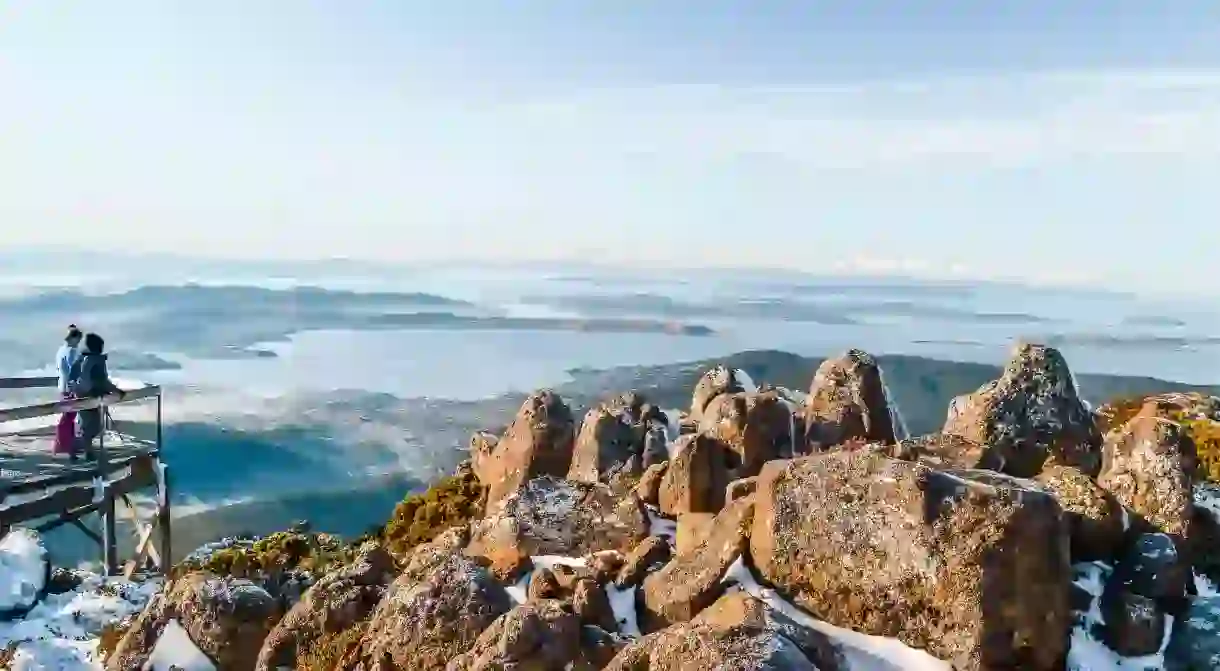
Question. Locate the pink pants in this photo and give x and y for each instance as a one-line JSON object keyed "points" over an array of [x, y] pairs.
{"points": [[65, 431]]}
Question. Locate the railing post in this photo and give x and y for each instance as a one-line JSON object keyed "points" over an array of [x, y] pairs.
{"points": [[158, 422], [109, 537]]}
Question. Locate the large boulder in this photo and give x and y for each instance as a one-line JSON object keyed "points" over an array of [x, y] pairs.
{"points": [[972, 566], [26, 569], [605, 445], [737, 633], [755, 427], [538, 636], [538, 442], [1149, 466], [430, 615], [697, 476], [1096, 521], [693, 580], [336, 602], [943, 450], [847, 402], [549, 516], [1031, 413], [714, 382], [226, 618]]}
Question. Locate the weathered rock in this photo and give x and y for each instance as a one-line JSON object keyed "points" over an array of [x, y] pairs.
{"points": [[652, 553], [756, 428], [649, 487], [227, 619], [548, 516], [692, 528], [538, 442], [592, 606], [1194, 645], [1095, 518], [597, 648], [605, 445], [482, 447], [717, 381], [1149, 466], [1134, 624], [739, 489], [737, 633], [942, 450], [543, 585], [691, 581], [605, 565], [337, 601], [847, 402], [1030, 413], [972, 566], [697, 476], [1151, 566], [656, 446], [424, 623], [542, 636]]}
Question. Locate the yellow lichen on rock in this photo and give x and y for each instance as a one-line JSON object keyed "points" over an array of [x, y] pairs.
{"points": [[1196, 413]]}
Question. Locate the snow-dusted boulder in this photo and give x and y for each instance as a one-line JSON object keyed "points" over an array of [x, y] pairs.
{"points": [[24, 571]]}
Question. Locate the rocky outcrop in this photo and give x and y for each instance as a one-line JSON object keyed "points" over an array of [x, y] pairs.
{"points": [[428, 617], [943, 450], [226, 618], [1150, 468], [697, 475], [652, 553], [717, 381], [692, 580], [605, 447], [972, 566], [847, 402], [535, 636], [1096, 521], [649, 486], [538, 442], [549, 516], [1031, 413], [756, 428], [336, 602], [737, 633]]}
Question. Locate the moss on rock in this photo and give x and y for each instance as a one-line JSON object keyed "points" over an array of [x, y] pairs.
{"points": [[278, 553], [453, 501]]}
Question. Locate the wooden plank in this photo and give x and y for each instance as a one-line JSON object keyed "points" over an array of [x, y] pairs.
{"points": [[77, 496], [29, 382], [142, 548], [85, 472], [76, 405]]}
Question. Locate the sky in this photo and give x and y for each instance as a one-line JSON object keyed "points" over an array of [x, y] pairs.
{"points": [[1040, 140]]}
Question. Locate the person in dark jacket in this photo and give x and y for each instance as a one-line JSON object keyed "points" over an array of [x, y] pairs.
{"points": [[90, 379]]}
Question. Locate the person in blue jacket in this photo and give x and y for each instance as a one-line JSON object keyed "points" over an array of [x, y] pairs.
{"points": [[67, 355], [90, 379]]}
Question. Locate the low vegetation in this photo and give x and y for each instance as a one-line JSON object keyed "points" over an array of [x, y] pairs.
{"points": [[419, 518]]}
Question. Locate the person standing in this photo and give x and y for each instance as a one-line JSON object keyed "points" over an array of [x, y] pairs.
{"points": [[65, 359], [91, 381]]}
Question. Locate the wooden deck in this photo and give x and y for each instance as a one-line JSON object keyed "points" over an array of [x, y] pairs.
{"points": [[42, 490]]}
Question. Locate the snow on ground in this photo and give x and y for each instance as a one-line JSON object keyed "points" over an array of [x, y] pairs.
{"points": [[23, 569], [176, 651], [863, 652], [622, 602], [61, 633], [1089, 654]]}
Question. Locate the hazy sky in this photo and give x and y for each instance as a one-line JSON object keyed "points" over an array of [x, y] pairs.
{"points": [[1038, 138]]}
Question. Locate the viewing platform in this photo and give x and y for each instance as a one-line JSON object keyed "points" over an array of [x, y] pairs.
{"points": [[43, 490]]}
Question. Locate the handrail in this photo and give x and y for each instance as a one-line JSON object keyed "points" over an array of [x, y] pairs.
{"points": [[76, 405], [28, 382]]}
